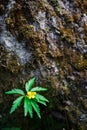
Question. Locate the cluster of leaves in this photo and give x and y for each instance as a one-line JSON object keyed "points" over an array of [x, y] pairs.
{"points": [[31, 103]]}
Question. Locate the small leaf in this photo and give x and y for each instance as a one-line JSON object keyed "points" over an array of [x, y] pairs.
{"points": [[40, 97], [25, 107], [15, 91], [28, 107], [29, 84], [36, 108], [42, 102], [16, 104], [38, 89]]}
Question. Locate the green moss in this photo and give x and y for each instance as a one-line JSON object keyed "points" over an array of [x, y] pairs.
{"points": [[82, 63], [12, 64], [27, 31], [67, 34]]}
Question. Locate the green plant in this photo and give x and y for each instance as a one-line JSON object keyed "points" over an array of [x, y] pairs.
{"points": [[31, 98], [14, 128]]}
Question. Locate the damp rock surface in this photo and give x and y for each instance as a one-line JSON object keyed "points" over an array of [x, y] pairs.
{"points": [[47, 39]]}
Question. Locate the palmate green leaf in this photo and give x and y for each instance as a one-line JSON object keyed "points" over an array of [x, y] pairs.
{"points": [[16, 104], [25, 106], [28, 107], [41, 98], [36, 89], [36, 108], [29, 84], [15, 91], [41, 102]]}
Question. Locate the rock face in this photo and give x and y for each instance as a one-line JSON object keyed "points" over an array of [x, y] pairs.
{"points": [[46, 39]]}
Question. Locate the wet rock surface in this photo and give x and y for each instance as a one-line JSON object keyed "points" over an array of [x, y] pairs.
{"points": [[47, 39]]}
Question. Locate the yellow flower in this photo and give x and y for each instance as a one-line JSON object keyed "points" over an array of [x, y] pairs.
{"points": [[31, 94]]}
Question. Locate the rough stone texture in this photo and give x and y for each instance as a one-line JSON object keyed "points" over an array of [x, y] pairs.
{"points": [[54, 35]]}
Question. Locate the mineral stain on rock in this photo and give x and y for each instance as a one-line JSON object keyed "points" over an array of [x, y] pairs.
{"points": [[47, 39]]}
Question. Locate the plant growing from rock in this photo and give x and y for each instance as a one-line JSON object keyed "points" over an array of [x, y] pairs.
{"points": [[30, 99]]}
